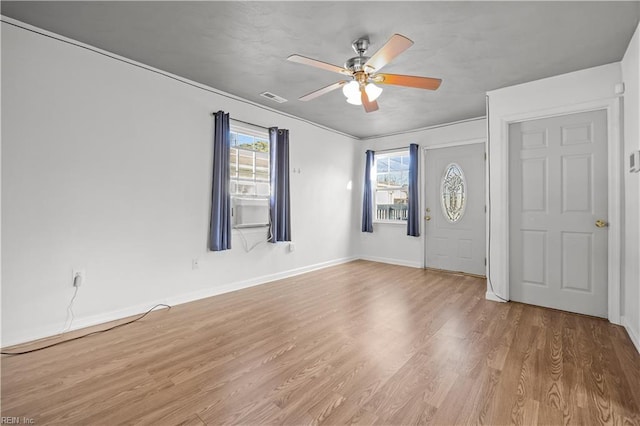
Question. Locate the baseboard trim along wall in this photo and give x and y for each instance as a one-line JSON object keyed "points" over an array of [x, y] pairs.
{"points": [[490, 295], [633, 335], [79, 323], [400, 262]]}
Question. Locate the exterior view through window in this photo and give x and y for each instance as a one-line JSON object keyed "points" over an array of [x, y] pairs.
{"points": [[249, 164], [249, 184], [391, 186]]}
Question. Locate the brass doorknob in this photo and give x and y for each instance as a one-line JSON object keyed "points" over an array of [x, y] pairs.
{"points": [[427, 218], [601, 223]]}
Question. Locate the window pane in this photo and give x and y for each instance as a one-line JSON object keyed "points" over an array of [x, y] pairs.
{"points": [[245, 141], [392, 180], [246, 157], [246, 164], [395, 163], [453, 193], [395, 178], [249, 165], [262, 159], [404, 178], [261, 145], [399, 196], [262, 175], [382, 165], [233, 158], [383, 180]]}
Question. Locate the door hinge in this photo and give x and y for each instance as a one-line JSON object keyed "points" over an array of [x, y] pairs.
{"points": [[485, 208], [485, 156], [485, 261]]}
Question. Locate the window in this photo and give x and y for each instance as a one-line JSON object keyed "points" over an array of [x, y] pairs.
{"points": [[249, 163], [249, 183], [391, 186], [453, 193]]}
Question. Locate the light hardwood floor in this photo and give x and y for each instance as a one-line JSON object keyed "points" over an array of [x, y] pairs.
{"points": [[361, 343]]}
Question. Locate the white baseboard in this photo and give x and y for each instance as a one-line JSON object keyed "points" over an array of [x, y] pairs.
{"points": [[55, 329], [400, 262], [82, 322], [490, 295], [633, 334], [202, 294]]}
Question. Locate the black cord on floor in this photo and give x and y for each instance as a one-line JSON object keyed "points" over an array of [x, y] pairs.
{"points": [[88, 334]]}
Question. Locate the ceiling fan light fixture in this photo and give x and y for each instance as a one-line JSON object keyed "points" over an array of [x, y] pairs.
{"points": [[373, 91], [351, 90], [355, 100]]}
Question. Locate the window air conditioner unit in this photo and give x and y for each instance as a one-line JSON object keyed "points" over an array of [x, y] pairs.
{"points": [[250, 212]]}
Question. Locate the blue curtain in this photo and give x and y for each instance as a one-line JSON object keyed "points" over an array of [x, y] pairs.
{"points": [[279, 203], [367, 199], [220, 226], [413, 224]]}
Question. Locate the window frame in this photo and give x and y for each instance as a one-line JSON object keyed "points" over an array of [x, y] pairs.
{"points": [[257, 134], [402, 152], [463, 189]]}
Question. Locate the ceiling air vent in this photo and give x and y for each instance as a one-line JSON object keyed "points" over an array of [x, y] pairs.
{"points": [[273, 97]]}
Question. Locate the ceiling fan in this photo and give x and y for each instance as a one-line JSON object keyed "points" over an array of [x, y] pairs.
{"points": [[365, 71]]}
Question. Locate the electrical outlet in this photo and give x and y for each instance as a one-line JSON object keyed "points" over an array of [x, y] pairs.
{"points": [[78, 277], [292, 247], [195, 264]]}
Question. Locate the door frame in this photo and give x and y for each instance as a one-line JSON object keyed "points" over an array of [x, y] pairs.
{"points": [[423, 177], [614, 174]]}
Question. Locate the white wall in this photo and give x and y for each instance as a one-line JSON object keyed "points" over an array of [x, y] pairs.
{"points": [[389, 242], [631, 259], [588, 89], [106, 166]]}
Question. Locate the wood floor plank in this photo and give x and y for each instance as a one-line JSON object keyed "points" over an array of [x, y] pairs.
{"points": [[359, 343], [348, 413]]}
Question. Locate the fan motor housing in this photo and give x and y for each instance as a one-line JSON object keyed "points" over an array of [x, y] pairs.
{"points": [[356, 63]]}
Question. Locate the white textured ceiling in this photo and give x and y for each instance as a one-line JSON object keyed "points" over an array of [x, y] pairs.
{"points": [[241, 48]]}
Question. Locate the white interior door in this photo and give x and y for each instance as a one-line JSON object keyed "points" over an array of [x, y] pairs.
{"points": [[558, 212], [455, 213]]}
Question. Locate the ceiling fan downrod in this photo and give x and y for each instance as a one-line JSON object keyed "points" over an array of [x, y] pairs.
{"points": [[356, 63], [360, 45]]}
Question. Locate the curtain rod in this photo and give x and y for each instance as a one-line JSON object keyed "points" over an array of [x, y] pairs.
{"points": [[244, 122], [402, 148]]}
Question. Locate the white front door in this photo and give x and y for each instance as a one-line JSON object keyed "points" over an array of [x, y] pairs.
{"points": [[558, 212], [455, 213]]}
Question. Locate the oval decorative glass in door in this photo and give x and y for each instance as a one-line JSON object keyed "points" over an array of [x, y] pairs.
{"points": [[453, 193]]}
